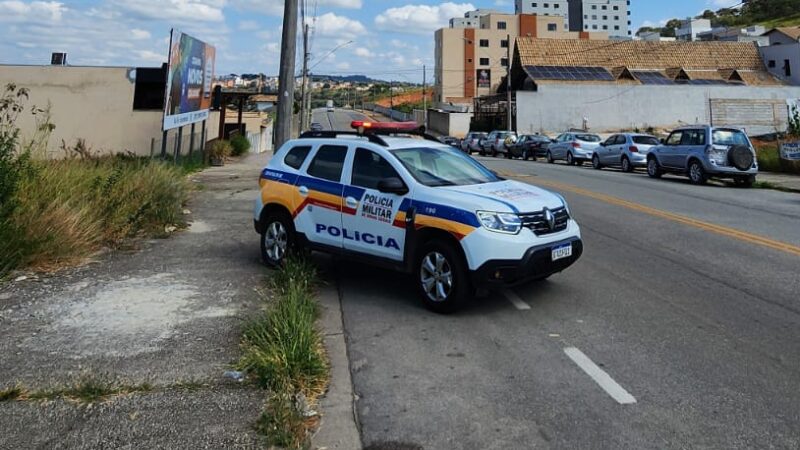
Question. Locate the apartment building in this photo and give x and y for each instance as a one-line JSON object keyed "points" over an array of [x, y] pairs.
{"points": [[472, 60], [690, 29], [609, 16], [548, 8], [471, 19]]}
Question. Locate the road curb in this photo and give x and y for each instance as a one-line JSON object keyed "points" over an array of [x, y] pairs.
{"points": [[338, 428]]}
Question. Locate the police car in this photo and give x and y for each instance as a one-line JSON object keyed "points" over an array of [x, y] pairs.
{"points": [[383, 196]]}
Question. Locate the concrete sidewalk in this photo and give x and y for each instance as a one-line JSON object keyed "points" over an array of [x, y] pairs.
{"points": [[783, 181], [169, 314]]}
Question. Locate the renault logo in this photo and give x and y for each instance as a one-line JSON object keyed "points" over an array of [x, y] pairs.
{"points": [[550, 218]]}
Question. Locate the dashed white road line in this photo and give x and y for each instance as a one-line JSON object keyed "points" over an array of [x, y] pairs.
{"points": [[600, 377], [515, 300]]}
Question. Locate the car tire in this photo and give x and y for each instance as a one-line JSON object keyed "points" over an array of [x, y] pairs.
{"points": [[550, 159], [278, 238], [745, 181], [570, 159], [697, 174], [654, 168], [626, 165], [596, 162], [439, 264]]}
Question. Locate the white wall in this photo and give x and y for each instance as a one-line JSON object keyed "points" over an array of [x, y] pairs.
{"points": [[449, 124], [780, 53], [610, 107]]}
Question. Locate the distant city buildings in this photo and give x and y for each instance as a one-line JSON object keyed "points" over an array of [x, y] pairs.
{"points": [[610, 16]]}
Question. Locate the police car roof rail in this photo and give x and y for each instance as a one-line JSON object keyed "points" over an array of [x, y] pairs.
{"points": [[327, 134], [373, 136]]}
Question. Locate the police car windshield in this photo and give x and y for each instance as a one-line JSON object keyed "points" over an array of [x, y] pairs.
{"points": [[443, 167]]}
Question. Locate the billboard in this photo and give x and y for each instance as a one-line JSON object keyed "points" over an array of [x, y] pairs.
{"points": [[484, 77], [189, 76]]}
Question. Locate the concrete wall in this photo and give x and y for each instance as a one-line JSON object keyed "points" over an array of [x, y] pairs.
{"points": [[91, 103], [449, 124], [610, 107], [779, 54]]}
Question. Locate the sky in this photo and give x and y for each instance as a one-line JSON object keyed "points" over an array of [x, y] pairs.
{"points": [[383, 39]]}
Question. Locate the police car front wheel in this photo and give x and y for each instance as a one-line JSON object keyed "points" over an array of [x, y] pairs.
{"points": [[277, 239], [441, 277]]}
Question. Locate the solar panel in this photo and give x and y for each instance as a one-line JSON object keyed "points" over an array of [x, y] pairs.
{"points": [[652, 77], [569, 73]]}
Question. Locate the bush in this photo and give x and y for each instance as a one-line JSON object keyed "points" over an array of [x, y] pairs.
{"points": [[239, 145], [219, 149]]}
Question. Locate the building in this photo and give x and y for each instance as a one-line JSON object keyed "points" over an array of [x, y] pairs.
{"points": [[749, 34], [471, 19], [113, 109], [559, 84], [689, 29], [610, 16], [549, 8], [473, 61], [654, 36], [782, 55]]}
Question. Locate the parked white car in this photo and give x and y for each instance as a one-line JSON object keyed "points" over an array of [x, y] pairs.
{"points": [[573, 147], [625, 150]]}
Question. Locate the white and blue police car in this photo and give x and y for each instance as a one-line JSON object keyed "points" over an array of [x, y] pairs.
{"points": [[412, 205]]}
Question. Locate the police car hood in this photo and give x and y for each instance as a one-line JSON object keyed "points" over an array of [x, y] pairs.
{"points": [[502, 196]]}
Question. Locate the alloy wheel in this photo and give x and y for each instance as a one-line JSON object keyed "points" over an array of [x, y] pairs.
{"points": [[436, 277], [276, 241]]}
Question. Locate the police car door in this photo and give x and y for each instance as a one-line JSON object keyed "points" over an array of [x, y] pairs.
{"points": [[319, 215], [370, 217]]}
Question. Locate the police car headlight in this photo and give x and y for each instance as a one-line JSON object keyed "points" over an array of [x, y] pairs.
{"points": [[564, 201], [500, 222]]}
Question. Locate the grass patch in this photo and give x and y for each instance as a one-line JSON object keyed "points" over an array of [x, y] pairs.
{"points": [[87, 389], [283, 353]]}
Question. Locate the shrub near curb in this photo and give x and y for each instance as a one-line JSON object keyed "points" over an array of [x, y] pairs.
{"points": [[283, 353]]}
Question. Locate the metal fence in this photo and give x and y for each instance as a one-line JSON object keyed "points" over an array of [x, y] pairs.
{"points": [[189, 144], [391, 113]]}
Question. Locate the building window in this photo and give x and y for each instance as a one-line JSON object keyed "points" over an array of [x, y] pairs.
{"points": [[484, 61], [585, 17], [616, 8], [605, 17], [504, 43], [469, 60], [616, 17], [547, 5], [594, 6], [501, 25], [605, 27], [594, 16], [616, 27], [484, 43], [771, 64], [604, 7], [787, 67], [556, 6], [552, 27], [534, 5], [594, 27], [585, 27], [504, 62]]}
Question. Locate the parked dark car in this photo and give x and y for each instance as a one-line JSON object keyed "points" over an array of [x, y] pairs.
{"points": [[451, 141], [530, 146]]}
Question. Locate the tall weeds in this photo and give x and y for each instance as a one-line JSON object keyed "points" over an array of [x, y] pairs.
{"points": [[56, 212]]}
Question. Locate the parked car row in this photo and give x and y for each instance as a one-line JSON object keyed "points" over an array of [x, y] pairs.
{"points": [[699, 152]]}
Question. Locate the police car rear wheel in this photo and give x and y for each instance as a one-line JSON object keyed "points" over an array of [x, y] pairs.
{"points": [[277, 240], [441, 277]]}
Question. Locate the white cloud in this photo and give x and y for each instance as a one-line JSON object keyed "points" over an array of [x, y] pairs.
{"points": [[36, 11], [724, 3], [420, 19], [151, 56], [185, 11], [248, 25], [331, 25], [362, 52], [140, 34], [275, 7], [343, 66]]}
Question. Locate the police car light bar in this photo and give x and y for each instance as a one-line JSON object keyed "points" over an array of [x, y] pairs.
{"points": [[387, 127]]}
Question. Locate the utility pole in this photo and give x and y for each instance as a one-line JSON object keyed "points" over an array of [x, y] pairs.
{"points": [[304, 89], [508, 84], [424, 98], [283, 123], [391, 94]]}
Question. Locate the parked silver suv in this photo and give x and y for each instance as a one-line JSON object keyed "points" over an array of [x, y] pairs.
{"points": [[701, 152]]}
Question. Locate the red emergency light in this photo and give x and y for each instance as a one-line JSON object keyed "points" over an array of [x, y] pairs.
{"points": [[386, 127]]}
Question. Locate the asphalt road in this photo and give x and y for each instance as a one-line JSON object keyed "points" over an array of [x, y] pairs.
{"points": [[678, 328]]}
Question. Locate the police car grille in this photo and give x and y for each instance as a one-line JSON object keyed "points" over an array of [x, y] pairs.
{"points": [[537, 222]]}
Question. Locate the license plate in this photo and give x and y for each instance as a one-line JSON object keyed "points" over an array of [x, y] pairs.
{"points": [[562, 251]]}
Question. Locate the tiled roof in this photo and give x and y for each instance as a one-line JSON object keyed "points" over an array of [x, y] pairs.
{"points": [[716, 60], [638, 55], [792, 32]]}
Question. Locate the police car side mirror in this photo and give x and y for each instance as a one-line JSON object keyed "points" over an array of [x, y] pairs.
{"points": [[392, 185]]}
